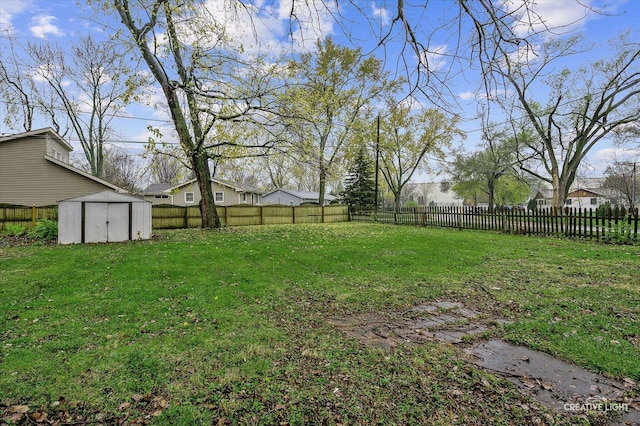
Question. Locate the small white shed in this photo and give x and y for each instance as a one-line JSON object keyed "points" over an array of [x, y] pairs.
{"points": [[103, 217]]}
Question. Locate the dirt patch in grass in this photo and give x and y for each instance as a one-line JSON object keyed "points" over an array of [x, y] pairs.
{"points": [[555, 384], [443, 321]]}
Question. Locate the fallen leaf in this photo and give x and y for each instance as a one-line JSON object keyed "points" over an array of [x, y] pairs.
{"points": [[19, 409], [628, 383], [38, 417], [528, 381], [614, 342], [16, 417], [547, 386]]}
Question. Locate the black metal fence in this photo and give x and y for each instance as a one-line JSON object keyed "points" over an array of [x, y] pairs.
{"points": [[613, 225]]}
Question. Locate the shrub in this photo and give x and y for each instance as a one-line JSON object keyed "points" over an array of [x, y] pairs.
{"points": [[45, 229], [619, 233], [15, 230]]}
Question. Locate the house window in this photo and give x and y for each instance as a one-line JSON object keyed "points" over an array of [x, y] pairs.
{"points": [[569, 201], [54, 153], [244, 197], [594, 201], [162, 196], [188, 197], [219, 197], [291, 202], [541, 202]]}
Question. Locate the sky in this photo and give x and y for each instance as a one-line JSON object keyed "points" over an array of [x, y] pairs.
{"points": [[63, 21]]}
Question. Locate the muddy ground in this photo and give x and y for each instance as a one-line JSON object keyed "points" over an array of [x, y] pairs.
{"points": [[558, 385]]}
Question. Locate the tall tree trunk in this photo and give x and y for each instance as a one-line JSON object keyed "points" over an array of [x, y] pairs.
{"points": [[322, 186], [190, 143], [397, 201], [208, 211], [492, 190]]}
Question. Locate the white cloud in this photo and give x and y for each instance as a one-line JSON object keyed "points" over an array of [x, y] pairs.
{"points": [[612, 155], [435, 59], [42, 25], [553, 16], [525, 54], [9, 9], [274, 27], [381, 13], [467, 96]]}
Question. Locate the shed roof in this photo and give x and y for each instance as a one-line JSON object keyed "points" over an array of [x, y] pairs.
{"points": [[107, 197]]}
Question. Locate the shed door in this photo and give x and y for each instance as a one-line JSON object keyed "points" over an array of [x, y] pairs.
{"points": [[106, 222]]}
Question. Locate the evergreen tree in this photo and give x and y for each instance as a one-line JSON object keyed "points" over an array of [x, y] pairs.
{"points": [[360, 188]]}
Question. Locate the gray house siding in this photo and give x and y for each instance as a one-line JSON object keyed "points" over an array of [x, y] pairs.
{"points": [[281, 197], [188, 194], [294, 198]]}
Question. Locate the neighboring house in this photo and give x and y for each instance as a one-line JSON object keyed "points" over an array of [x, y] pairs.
{"points": [[576, 199], [544, 198], [585, 198], [35, 170], [188, 193], [292, 197], [157, 195], [430, 194]]}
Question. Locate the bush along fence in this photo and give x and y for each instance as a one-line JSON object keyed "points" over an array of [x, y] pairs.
{"points": [[24, 216], [610, 225], [170, 217]]}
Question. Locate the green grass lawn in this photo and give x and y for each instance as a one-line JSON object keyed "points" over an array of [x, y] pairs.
{"points": [[230, 326]]}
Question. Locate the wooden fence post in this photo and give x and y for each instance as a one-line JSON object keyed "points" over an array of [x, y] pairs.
{"points": [[34, 216], [185, 217]]}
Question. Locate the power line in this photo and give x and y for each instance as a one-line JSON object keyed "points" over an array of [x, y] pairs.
{"points": [[131, 117]]}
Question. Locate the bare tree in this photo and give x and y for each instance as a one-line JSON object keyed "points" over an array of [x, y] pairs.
{"points": [[583, 107], [121, 169], [89, 86], [621, 181], [15, 87], [166, 166]]}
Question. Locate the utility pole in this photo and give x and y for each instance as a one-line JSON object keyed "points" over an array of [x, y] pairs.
{"points": [[633, 188], [634, 178], [377, 157]]}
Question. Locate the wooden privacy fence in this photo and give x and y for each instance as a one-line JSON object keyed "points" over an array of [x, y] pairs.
{"points": [[25, 216], [611, 224], [169, 217]]}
